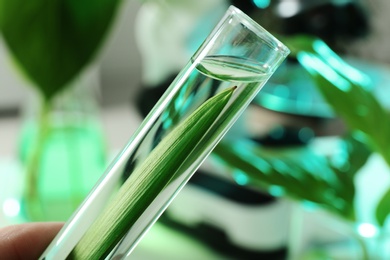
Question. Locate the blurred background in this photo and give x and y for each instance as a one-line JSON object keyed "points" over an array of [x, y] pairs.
{"points": [[146, 45]]}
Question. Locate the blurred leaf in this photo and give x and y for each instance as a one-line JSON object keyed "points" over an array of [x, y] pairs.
{"points": [[52, 41], [303, 175], [347, 92], [382, 209]]}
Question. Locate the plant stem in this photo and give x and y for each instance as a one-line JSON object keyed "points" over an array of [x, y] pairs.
{"points": [[34, 208], [74, 160]]}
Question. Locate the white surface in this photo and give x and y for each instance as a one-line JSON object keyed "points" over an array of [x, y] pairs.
{"points": [[251, 227], [12, 86]]}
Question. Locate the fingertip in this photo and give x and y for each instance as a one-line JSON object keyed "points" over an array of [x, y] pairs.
{"points": [[27, 241]]}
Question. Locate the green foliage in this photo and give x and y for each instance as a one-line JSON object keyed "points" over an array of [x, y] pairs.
{"points": [[53, 40], [383, 208], [304, 174], [346, 91], [348, 94]]}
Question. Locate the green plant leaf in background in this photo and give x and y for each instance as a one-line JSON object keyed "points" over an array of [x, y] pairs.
{"points": [[382, 209], [305, 175], [53, 40], [347, 92]]}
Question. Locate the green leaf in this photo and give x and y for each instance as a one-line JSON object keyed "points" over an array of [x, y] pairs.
{"points": [[149, 179], [347, 91], [304, 175], [382, 210], [53, 40]]}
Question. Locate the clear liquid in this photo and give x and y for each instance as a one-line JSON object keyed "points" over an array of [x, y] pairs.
{"points": [[193, 86], [233, 69], [199, 83]]}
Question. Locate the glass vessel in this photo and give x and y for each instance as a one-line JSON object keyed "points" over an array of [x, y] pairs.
{"points": [[62, 149], [201, 104]]}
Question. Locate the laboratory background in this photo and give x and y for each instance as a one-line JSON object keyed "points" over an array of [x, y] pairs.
{"points": [[303, 174]]}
